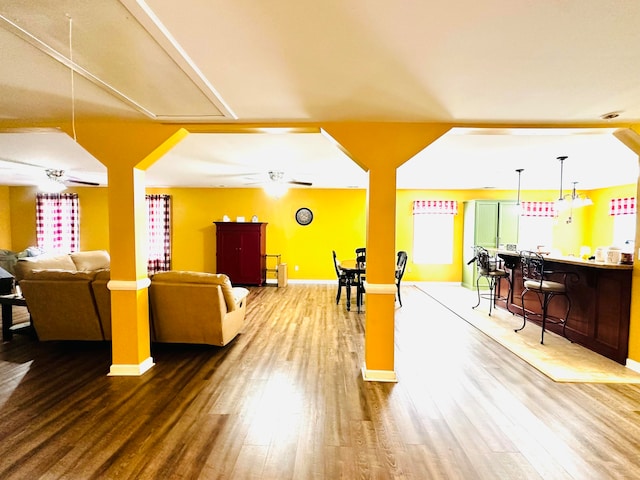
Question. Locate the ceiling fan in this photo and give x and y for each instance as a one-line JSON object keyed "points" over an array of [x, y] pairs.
{"points": [[59, 176], [272, 177], [278, 177], [35, 173]]}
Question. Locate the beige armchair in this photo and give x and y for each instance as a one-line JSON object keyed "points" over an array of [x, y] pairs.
{"points": [[196, 307]]}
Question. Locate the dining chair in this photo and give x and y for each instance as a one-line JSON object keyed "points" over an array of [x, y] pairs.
{"points": [[361, 260], [536, 279], [489, 270], [401, 265], [342, 277]]}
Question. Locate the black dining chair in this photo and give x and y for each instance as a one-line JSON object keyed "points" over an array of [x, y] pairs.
{"points": [[361, 260], [489, 270], [401, 265], [342, 277], [536, 279]]}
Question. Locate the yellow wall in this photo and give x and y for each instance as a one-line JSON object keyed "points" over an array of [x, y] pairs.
{"points": [[338, 224], [94, 217], [5, 219]]}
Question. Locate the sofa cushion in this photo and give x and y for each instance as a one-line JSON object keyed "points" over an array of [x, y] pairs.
{"points": [[59, 274], [90, 260], [221, 279], [26, 264]]}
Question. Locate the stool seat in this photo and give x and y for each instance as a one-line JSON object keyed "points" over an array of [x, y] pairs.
{"points": [[535, 279], [494, 273], [545, 286]]}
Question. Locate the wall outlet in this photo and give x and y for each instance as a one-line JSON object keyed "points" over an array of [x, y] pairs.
{"points": [[296, 268]]}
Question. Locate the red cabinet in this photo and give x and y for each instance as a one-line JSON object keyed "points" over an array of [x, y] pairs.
{"points": [[240, 252]]}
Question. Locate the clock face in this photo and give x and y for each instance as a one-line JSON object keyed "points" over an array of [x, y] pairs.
{"points": [[304, 216]]}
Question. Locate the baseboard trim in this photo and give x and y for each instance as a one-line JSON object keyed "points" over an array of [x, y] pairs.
{"points": [[379, 375], [380, 288], [633, 365], [131, 370]]}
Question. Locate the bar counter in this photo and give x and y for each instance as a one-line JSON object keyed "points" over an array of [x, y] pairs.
{"points": [[600, 296]]}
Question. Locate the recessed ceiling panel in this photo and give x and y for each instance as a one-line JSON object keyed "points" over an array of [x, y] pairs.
{"points": [[107, 42]]}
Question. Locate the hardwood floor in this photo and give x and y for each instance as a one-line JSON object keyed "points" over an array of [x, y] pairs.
{"points": [[286, 400]]}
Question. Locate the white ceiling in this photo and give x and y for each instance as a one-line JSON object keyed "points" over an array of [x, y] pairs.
{"points": [[461, 62]]}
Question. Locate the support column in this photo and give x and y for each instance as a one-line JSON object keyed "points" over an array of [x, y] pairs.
{"points": [[128, 150], [631, 138], [381, 148]]}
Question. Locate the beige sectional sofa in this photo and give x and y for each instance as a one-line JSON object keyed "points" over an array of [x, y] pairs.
{"points": [[68, 299], [67, 295]]}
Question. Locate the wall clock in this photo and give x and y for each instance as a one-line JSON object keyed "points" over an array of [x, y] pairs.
{"points": [[304, 216]]}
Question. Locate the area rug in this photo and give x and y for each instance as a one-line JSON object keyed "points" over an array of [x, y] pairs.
{"points": [[558, 358]]}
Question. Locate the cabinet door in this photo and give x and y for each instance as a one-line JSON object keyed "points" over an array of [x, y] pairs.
{"points": [[229, 255], [250, 257], [486, 224], [509, 221]]}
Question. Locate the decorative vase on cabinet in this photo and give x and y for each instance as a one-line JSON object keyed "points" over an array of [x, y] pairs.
{"points": [[240, 252]]}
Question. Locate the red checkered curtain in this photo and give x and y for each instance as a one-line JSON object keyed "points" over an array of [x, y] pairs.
{"points": [[57, 222], [159, 233], [622, 206], [538, 209], [435, 207]]}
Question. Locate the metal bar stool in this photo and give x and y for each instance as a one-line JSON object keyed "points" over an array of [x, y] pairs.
{"points": [[535, 279], [488, 269]]}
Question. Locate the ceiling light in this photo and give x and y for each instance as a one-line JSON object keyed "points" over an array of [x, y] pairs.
{"points": [[610, 115], [53, 182], [572, 200], [276, 187]]}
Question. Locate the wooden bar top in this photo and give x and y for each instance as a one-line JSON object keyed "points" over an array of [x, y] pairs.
{"points": [[573, 261], [600, 298]]}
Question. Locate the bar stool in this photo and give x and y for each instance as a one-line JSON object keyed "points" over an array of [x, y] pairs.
{"points": [[488, 269], [535, 279]]}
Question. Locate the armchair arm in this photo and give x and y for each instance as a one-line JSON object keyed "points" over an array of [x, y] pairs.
{"points": [[239, 295]]}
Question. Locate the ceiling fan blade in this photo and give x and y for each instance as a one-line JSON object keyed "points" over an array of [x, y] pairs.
{"points": [[82, 182], [297, 182]]}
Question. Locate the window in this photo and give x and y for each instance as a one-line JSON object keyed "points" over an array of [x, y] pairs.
{"points": [[57, 222], [536, 224], [158, 233], [433, 231], [623, 211]]}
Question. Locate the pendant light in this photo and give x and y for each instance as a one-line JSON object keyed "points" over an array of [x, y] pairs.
{"points": [[519, 170], [572, 200]]}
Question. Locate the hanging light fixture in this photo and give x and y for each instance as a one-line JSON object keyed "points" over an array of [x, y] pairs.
{"points": [[519, 170], [276, 187], [572, 200]]}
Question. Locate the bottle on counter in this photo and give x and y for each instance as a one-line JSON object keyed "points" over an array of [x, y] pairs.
{"points": [[585, 252]]}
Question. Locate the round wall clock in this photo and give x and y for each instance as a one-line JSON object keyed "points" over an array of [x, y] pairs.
{"points": [[304, 216]]}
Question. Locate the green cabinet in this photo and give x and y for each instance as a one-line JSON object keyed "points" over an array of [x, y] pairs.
{"points": [[488, 223]]}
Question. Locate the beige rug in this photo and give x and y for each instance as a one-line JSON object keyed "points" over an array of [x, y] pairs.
{"points": [[558, 358]]}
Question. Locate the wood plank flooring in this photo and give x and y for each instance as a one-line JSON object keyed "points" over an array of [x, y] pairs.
{"points": [[286, 400]]}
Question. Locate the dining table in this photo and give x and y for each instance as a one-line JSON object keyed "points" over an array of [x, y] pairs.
{"points": [[354, 272]]}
